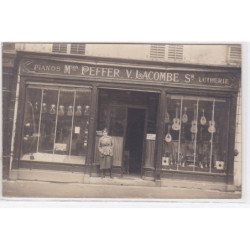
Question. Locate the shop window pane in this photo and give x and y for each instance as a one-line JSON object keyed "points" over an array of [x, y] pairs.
{"points": [[81, 123], [203, 135], [195, 134], [219, 138], [31, 122], [48, 121], [64, 123], [56, 125]]}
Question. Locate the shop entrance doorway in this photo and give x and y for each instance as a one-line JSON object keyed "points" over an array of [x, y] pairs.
{"points": [[135, 138]]}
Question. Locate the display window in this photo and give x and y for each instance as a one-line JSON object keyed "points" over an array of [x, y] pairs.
{"points": [[196, 134], [55, 127]]}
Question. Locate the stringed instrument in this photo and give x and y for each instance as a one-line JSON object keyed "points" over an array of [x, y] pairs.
{"points": [[194, 128], [211, 128], [176, 121], [168, 137], [87, 110], [61, 111], [78, 110], [36, 108], [70, 111], [185, 117], [52, 110], [203, 118], [44, 108]]}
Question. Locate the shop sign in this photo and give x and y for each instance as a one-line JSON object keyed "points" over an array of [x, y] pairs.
{"points": [[222, 79]]}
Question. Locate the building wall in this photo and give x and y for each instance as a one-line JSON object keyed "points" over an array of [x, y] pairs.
{"points": [[208, 54], [238, 143], [197, 54]]}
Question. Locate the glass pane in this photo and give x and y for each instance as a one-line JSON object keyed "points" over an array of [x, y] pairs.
{"points": [[203, 135], [48, 121], [64, 122], [195, 134], [219, 138], [189, 135], [117, 121], [172, 133], [81, 123], [31, 122]]}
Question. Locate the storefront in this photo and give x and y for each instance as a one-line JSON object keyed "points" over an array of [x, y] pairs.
{"points": [[166, 120]]}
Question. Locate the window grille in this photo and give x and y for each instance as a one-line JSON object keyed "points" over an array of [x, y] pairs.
{"points": [[157, 51], [234, 54], [59, 48], [77, 48], [175, 52]]}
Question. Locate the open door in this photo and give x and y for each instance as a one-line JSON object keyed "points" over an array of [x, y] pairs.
{"points": [[135, 133]]}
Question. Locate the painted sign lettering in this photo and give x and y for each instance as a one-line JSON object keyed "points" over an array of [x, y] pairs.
{"points": [[121, 73]]}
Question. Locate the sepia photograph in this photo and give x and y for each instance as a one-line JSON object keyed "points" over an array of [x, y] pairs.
{"points": [[141, 121]]}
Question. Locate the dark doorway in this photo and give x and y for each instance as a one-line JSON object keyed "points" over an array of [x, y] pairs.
{"points": [[134, 138]]}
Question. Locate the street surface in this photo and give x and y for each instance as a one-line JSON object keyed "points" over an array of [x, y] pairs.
{"points": [[39, 189]]}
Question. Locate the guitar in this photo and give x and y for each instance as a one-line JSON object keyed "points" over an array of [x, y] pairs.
{"points": [[194, 128], [203, 118], [168, 137], [211, 128], [185, 117], [176, 122]]}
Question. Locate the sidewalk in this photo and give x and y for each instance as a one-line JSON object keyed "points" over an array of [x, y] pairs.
{"points": [[43, 184]]}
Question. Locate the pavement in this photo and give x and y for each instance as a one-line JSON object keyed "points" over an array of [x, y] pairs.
{"points": [[44, 189]]}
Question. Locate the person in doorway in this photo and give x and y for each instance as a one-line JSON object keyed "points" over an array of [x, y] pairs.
{"points": [[105, 147]]}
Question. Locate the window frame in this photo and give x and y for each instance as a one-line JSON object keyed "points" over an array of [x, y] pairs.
{"points": [[51, 86], [231, 99]]}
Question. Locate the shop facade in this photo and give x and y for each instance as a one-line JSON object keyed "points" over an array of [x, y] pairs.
{"points": [[167, 120]]}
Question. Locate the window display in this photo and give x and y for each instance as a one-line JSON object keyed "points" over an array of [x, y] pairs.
{"points": [[56, 124], [195, 134]]}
